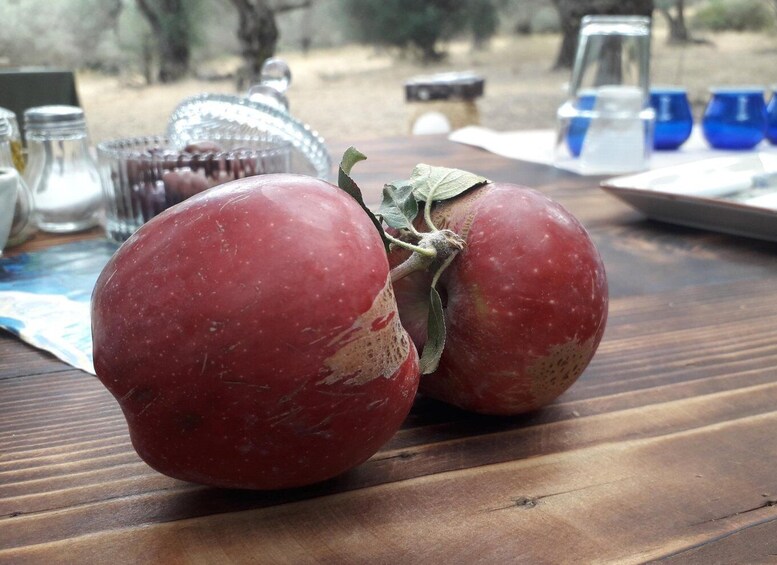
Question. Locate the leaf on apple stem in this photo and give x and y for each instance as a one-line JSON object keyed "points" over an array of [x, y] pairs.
{"points": [[442, 183], [345, 182], [399, 206], [435, 335]]}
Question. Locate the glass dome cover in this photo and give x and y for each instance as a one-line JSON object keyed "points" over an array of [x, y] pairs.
{"points": [[262, 113]]}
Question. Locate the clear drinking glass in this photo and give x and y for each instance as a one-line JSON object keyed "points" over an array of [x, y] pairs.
{"points": [[771, 118], [60, 170], [607, 121]]}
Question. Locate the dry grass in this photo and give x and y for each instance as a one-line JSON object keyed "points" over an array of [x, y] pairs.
{"points": [[354, 92]]}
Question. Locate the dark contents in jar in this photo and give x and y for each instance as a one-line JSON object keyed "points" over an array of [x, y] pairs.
{"points": [[158, 178]]}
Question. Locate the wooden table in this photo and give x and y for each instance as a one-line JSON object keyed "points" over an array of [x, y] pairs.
{"points": [[666, 448]]}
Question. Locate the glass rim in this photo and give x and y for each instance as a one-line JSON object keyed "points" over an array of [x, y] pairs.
{"points": [[745, 89], [668, 89], [136, 148]]}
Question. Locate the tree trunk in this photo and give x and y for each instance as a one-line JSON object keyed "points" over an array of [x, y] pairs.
{"points": [[572, 11], [169, 26], [678, 32], [258, 33]]}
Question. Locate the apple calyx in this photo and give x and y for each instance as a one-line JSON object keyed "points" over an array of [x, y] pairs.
{"points": [[433, 250]]}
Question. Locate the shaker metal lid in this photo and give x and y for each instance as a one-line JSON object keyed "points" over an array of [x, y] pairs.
{"points": [[263, 113], [53, 117]]}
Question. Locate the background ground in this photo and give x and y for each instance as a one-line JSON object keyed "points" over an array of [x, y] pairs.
{"points": [[353, 92]]}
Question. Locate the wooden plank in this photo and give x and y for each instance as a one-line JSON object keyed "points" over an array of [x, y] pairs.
{"points": [[625, 501], [651, 379]]}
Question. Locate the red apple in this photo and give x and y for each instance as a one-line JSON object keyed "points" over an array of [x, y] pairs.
{"points": [[525, 302], [251, 337]]}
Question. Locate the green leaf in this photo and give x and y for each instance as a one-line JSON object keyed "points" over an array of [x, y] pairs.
{"points": [[442, 183], [350, 158], [399, 206], [345, 182], [435, 334]]}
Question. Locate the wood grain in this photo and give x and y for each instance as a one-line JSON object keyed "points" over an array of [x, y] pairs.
{"points": [[665, 449]]}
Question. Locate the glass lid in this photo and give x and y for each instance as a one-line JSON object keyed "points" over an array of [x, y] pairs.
{"points": [[264, 111]]}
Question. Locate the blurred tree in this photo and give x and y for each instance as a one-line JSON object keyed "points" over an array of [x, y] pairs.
{"points": [[483, 21], [171, 28], [93, 19], [678, 31], [572, 11], [258, 32], [419, 26]]}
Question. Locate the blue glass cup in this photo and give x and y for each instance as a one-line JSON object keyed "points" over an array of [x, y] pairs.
{"points": [[578, 125], [771, 118], [735, 118], [674, 119]]}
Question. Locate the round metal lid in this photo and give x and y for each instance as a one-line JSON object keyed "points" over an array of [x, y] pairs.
{"points": [[53, 117]]}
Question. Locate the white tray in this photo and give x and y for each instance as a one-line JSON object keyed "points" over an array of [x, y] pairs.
{"points": [[715, 194]]}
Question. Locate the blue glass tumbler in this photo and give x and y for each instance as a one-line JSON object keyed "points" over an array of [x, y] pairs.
{"points": [[735, 118], [674, 119], [771, 118], [578, 126]]}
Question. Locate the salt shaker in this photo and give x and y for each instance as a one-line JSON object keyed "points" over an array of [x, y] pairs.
{"points": [[60, 171], [22, 225]]}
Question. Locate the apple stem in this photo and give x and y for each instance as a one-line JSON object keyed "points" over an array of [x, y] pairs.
{"points": [[444, 266], [436, 248], [428, 252], [416, 262]]}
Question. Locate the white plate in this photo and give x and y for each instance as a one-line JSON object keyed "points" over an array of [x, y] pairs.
{"points": [[715, 194]]}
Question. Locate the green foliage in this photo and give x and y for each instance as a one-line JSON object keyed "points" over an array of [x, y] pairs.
{"points": [[545, 20], [72, 33], [420, 26], [733, 15], [482, 19]]}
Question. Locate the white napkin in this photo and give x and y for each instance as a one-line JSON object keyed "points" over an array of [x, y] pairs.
{"points": [[538, 146]]}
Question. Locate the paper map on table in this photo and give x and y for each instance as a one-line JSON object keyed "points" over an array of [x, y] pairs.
{"points": [[44, 298]]}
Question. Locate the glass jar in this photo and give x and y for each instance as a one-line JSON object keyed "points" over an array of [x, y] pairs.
{"points": [[22, 226], [60, 170]]}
